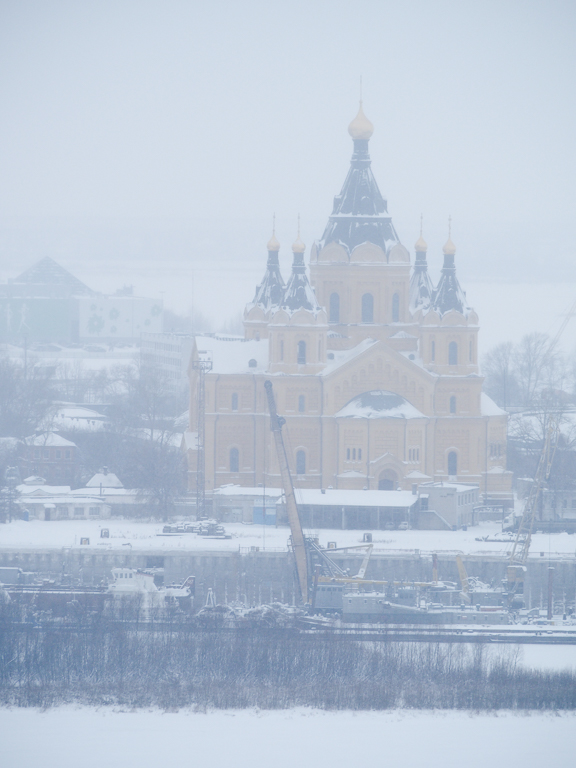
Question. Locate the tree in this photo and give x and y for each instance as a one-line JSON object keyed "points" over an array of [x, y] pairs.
{"points": [[27, 396], [498, 367]]}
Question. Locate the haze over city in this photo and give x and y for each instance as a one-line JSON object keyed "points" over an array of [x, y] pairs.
{"points": [[151, 145], [287, 383]]}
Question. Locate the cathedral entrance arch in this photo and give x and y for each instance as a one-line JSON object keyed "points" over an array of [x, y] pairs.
{"points": [[387, 480]]}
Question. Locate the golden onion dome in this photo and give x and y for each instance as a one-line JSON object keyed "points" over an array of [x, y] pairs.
{"points": [[449, 248], [298, 246], [361, 127], [273, 244], [420, 246]]}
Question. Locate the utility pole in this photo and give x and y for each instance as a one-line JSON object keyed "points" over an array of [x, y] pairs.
{"points": [[202, 367]]}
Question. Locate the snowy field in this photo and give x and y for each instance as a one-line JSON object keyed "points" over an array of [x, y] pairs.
{"points": [[71, 737], [138, 535]]}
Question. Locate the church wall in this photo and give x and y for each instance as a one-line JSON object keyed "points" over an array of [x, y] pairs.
{"points": [[352, 281]]}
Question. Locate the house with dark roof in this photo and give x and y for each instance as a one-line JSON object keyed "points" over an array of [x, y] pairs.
{"points": [[46, 303]]}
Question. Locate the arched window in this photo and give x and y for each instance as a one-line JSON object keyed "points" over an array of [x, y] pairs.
{"points": [[281, 350], [433, 351], [471, 353], [252, 363], [347, 454], [235, 401], [300, 463], [452, 464], [395, 308], [334, 308], [452, 353], [301, 360], [367, 308], [301, 403], [234, 460], [452, 404]]}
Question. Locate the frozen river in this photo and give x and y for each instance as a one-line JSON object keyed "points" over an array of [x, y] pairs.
{"points": [[106, 738]]}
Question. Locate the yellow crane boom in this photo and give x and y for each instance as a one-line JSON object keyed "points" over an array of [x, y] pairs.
{"points": [[298, 543]]}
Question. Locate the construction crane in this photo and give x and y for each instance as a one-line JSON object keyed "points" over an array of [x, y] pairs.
{"points": [[519, 554], [297, 538]]}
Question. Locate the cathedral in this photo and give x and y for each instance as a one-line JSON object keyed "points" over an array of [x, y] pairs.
{"points": [[374, 367]]}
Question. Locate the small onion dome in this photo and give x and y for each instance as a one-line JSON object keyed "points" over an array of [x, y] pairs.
{"points": [[298, 246], [361, 127], [420, 245], [449, 248], [273, 244]]}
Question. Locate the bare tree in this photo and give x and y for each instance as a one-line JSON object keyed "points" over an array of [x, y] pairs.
{"points": [[27, 397]]}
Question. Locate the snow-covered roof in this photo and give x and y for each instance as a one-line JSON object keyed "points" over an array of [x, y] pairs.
{"points": [[379, 404], [78, 418], [416, 475], [50, 440], [403, 335], [489, 407], [189, 440], [458, 487], [104, 480], [233, 355], [238, 490], [42, 490], [346, 498], [342, 356]]}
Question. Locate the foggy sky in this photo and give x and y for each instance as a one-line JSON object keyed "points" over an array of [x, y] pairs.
{"points": [[151, 142]]}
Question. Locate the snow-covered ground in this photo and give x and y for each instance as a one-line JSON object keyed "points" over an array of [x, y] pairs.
{"points": [[140, 535], [70, 737]]}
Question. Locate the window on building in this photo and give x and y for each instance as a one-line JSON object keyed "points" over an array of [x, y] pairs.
{"points": [[334, 308], [359, 454], [452, 353], [46, 453], [347, 454], [367, 308], [301, 403], [281, 350], [234, 460], [58, 454], [452, 404], [300, 463], [78, 511], [252, 363], [37, 453], [234, 401], [68, 454], [301, 360], [94, 511], [353, 454], [573, 503], [452, 464], [395, 308], [433, 351], [471, 353]]}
